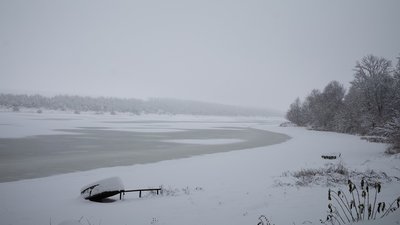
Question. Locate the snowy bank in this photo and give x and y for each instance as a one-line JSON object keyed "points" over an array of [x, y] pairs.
{"points": [[222, 188]]}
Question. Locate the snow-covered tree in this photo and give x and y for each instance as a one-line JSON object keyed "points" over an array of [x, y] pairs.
{"points": [[391, 130], [332, 104], [131, 105], [312, 108], [373, 79], [320, 109], [372, 103], [294, 114], [396, 87], [351, 118]]}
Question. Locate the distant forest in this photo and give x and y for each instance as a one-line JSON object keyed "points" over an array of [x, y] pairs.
{"points": [[79, 104], [371, 106]]}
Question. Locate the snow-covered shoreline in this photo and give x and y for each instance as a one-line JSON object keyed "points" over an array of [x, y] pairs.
{"points": [[222, 188]]}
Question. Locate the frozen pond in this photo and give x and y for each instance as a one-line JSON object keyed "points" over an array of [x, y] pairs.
{"points": [[205, 141], [104, 144]]}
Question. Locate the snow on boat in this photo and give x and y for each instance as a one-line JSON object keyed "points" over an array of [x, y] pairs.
{"points": [[102, 189]]}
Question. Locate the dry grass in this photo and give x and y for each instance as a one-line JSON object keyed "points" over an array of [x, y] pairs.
{"points": [[333, 175]]}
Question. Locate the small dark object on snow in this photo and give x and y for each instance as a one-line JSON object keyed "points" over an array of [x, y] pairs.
{"points": [[331, 156]]}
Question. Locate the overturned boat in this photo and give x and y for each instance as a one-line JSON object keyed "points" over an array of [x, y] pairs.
{"points": [[102, 189]]}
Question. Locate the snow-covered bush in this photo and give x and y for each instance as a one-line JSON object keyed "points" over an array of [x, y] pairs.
{"points": [[391, 131], [288, 124]]}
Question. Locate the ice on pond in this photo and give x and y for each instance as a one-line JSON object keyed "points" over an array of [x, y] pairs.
{"points": [[206, 141]]}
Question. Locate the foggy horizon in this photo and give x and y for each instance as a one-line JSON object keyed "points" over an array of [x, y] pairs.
{"points": [[253, 54], [50, 94]]}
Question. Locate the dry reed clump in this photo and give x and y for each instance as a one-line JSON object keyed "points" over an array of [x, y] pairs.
{"points": [[263, 220], [358, 204]]}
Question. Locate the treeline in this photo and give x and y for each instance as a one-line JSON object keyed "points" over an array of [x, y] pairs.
{"points": [[371, 106], [79, 104]]}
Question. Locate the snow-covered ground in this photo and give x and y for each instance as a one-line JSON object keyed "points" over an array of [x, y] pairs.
{"points": [[223, 188]]}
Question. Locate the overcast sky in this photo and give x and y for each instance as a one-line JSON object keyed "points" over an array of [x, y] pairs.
{"points": [[251, 53]]}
